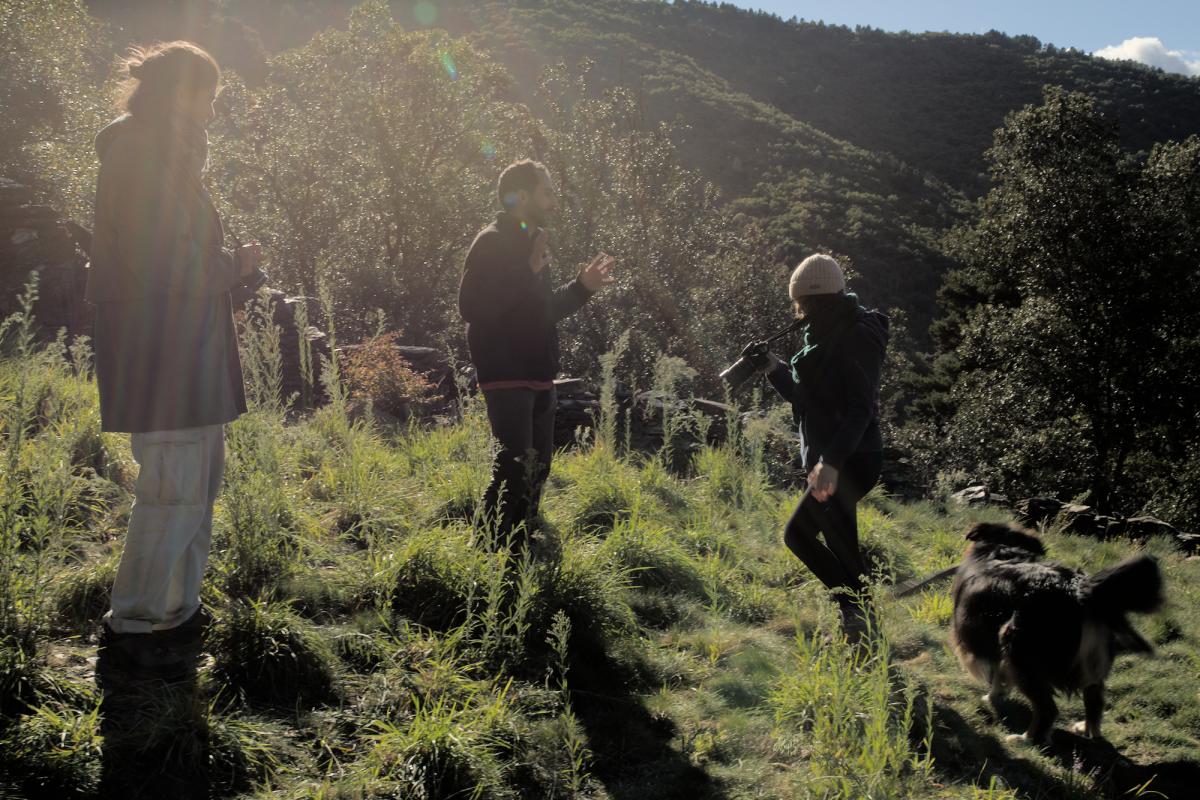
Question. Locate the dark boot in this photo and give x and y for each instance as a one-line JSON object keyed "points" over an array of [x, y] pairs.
{"points": [[143, 655]]}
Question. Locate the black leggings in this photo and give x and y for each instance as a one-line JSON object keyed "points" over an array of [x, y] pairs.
{"points": [[836, 561]]}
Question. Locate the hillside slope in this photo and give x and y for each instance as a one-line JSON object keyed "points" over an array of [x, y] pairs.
{"points": [[660, 642]]}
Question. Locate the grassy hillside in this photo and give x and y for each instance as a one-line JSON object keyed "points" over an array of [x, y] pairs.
{"points": [[659, 642]]}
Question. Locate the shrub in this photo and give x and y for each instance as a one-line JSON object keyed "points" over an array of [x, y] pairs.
{"points": [[55, 750], [429, 579], [604, 491], [448, 749], [376, 370], [82, 594], [272, 656], [652, 560], [20, 678], [189, 743], [590, 590]]}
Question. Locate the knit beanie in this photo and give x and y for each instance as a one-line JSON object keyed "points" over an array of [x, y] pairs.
{"points": [[817, 274]]}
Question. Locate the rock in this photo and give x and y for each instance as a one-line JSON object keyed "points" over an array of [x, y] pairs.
{"points": [[1034, 511], [1145, 526], [1188, 542], [283, 311], [976, 495], [1107, 527], [571, 388], [1078, 519], [34, 239], [577, 411]]}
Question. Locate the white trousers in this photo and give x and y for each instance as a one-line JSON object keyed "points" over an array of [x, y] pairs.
{"points": [[170, 528]]}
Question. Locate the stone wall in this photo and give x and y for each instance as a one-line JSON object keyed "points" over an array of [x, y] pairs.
{"points": [[1078, 519]]}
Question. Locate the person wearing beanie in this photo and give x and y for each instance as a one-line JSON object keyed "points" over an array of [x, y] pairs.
{"points": [[832, 384]]}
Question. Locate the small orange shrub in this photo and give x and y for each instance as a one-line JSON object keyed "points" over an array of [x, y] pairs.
{"points": [[377, 370]]}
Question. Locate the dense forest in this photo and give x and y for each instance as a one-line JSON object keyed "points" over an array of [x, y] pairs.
{"points": [[1027, 216], [861, 141]]}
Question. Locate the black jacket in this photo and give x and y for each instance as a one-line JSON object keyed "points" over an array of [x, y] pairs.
{"points": [[512, 313], [838, 409]]}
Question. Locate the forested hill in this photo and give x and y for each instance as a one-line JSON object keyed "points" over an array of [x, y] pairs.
{"points": [[861, 141], [932, 100]]}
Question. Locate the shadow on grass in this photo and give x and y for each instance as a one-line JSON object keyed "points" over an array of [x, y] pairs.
{"points": [[163, 740], [632, 752], [135, 712], [965, 752]]}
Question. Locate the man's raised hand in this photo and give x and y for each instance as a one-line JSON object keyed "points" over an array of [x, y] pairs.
{"points": [[598, 274], [540, 255]]}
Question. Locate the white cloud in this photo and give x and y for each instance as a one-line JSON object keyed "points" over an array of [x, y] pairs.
{"points": [[1150, 50]]}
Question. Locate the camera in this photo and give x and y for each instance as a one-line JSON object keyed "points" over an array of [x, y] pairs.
{"points": [[754, 357]]}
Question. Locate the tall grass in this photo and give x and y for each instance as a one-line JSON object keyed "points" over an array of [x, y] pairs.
{"points": [[262, 360], [658, 639], [670, 373], [848, 711], [49, 488], [257, 544], [609, 412]]}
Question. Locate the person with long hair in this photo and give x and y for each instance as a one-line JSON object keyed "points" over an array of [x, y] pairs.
{"points": [[832, 384], [167, 364]]}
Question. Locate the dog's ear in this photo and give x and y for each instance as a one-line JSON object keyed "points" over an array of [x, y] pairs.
{"points": [[985, 532]]}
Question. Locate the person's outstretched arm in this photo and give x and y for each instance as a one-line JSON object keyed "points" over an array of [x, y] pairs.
{"points": [[570, 298]]}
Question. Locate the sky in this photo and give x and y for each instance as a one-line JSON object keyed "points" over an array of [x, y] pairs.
{"points": [[1162, 33]]}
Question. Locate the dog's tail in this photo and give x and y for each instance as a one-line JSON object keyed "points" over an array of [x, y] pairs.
{"points": [[1133, 585]]}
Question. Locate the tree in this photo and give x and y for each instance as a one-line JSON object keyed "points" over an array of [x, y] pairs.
{"points": [[1067, 371], [52, 106]]}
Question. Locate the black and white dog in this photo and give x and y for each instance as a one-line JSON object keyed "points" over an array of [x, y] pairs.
{"points": [[1044, 627]]}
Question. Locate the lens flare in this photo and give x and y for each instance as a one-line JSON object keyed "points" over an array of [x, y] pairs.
{"points": [[425, 13], [448, 65], [488, 150]]}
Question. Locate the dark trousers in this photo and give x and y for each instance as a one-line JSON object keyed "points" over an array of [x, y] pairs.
{"points": [[522, 421], [835, 561]]}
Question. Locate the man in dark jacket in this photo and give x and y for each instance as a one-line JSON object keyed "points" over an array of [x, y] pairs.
{"points": [[512, 309], [833, 386]]}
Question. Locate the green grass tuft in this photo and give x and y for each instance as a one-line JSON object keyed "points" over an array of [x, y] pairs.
{"points": [[271, 656]]}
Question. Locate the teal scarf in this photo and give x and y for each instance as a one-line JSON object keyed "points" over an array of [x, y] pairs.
{"points": [[822, 331]]}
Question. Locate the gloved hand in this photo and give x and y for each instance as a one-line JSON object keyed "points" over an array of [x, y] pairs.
{"points": [[255, 281], [245, 291], [756, 353]]}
